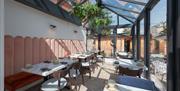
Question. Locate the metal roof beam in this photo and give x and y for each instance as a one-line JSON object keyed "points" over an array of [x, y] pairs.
{"points": [[118, 26], [115, 26], [134, 2], [124, 9]]}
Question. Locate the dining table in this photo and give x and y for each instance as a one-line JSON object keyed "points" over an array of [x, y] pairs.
{"points": [[81, 56], [47, 68], [130, 63]]}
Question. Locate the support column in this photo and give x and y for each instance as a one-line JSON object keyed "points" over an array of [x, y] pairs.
{"points": [[99, 43], [133, 41], [138, 40], [147, 42], [86, 39], [173, 43], [1, 45], [114, 41]]}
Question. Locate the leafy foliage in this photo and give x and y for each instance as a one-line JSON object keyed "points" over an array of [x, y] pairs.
{"points": [[93, 15], [127, 31], [164, 31]]}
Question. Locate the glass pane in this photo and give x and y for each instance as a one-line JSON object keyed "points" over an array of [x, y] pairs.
{"points": [[133, 20], [66, 6], [123, 4], [144, 1], [67, 15], [121, 20], [54, 9], [41, 4], [76, 20], [125, 13], [54, 1], [31, 2], [126, 9]]}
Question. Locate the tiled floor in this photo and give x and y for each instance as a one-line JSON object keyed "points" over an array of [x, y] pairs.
{"points": [[100, 75], [98, 80]]}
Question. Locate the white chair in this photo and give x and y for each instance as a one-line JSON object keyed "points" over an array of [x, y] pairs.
{"points": [[58, 82], [53, 84]]}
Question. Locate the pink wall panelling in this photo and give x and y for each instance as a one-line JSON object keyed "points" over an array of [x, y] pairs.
{"points": [[53, 56], [42, 52], [9, 55], [56, 48], [28, 50], [36, 49], [60, 48], [20, 51], [18, 54], [48, 49]]}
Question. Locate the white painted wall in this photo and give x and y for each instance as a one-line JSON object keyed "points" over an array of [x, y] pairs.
{"points": [[1, 45], [21, 20]]}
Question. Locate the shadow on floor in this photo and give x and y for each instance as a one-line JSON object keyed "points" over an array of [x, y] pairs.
{"points": [[100, 75]]}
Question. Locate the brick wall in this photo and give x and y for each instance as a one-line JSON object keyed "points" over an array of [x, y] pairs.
{"points": [[156, 46]]}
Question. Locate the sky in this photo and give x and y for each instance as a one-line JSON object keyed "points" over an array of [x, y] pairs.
{"points": [[158, 14]]}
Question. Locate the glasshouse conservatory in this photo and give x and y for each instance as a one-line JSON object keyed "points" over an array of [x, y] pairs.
{"points": [[89, 45]]}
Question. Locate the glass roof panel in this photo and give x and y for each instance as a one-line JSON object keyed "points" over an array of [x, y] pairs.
{"points": [[32, 2], [145, 1], [41, 3], [129, 9], [124, 13], [125, 5], [52, 8], [133, 20], [115, 21]]}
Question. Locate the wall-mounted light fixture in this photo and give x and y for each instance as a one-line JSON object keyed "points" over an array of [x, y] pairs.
{"points": [[52, 27], [75, 31]]}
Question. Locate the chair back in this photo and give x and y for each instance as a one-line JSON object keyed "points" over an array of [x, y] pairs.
{"points": [[65, 71], [76, 65], [130, 72], [62, 73]]}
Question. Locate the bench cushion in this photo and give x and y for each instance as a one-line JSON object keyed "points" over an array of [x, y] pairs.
{"points": [[20, 80], [136, 82]]}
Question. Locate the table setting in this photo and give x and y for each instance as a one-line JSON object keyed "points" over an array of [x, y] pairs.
{"points": [[47, 67], [129, 63]]}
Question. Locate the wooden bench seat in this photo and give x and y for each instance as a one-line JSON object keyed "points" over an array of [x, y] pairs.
{"points": [[20, 80]]}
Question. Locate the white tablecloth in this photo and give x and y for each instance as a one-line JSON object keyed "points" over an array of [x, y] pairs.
{"points": [[81, 55], [36, 68], [122, 53], [131, 64]]}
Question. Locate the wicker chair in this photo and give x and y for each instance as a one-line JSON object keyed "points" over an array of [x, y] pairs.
{"points": [[86, 68]]}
